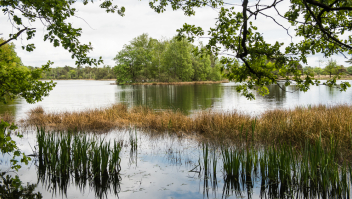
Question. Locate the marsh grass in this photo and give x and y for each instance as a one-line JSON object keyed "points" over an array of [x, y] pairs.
{"points": [[208, 168], [295, 126], [65, 156], [7, 117], [312, 172]]}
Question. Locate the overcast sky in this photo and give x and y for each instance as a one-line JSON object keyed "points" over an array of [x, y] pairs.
{"points": [[109, 32]]}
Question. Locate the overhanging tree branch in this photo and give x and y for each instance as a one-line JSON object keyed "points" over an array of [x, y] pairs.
{"points": [[14, 37]]}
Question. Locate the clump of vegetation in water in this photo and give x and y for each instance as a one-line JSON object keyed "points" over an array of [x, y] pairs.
{"points": [[273, 126], [286, 172], [62, 156]]}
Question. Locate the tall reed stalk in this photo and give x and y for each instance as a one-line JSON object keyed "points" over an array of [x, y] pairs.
{"points": [[307, 173], [73, 155]]}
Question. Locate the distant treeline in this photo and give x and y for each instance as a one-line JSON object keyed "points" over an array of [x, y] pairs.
{"points": [[68, 72], [146, 59]]}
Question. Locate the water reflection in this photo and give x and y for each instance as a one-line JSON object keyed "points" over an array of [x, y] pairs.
{"points": [[185, 98], [10, 107], [169, 167], [10, 187], [76, 95]]}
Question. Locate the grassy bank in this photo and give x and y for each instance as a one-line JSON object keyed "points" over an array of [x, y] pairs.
{"points": [[295, 126]]}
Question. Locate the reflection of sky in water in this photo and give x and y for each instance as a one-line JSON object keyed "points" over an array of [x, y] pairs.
{"points": [[157, 174], [278, 98], [71, 95]]}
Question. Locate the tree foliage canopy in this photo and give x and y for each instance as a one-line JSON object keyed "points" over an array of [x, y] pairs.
{"points": [[148, 59], [18, 80], [324, 25], [53, 15]]}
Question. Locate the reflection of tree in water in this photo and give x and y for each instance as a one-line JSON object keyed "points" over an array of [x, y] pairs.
{"points": [[10, 107], [185, 98], [11, 188], [332, 91], [276, 94]]}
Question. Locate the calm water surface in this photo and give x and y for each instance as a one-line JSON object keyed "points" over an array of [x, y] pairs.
{"points": [[76, 95], [161, 167]]}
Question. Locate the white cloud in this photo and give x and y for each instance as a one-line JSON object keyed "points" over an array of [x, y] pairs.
{"points": [[109, 32]]}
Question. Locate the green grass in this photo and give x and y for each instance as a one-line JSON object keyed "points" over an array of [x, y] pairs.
{"points": [[65, 156], [311, 171]]}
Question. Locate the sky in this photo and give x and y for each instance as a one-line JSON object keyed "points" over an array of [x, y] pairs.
{"points": [[108, 32]]}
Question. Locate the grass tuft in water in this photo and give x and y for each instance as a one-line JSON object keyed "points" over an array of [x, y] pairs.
{"points": [[79, 156], [310, 172]]}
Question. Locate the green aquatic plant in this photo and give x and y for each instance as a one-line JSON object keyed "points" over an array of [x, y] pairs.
{"points": [[82, 157], [312, 171]]}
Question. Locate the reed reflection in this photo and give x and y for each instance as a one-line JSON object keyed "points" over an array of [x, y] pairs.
{"points": [[85, 160]]}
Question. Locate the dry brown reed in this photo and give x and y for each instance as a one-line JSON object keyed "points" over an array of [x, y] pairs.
{"points": [[289, 125], [7, 117]]}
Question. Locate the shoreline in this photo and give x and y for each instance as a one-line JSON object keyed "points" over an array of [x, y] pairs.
{"points": [[174, 83], [80, 79]]}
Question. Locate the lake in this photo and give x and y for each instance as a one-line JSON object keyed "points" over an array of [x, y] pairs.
{"points": [[162, 166], [75, 95]]}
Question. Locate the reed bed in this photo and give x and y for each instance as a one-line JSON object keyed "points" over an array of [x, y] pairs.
{"points": [[295, 126], [63, 157], [7, 117], [287, 173]]}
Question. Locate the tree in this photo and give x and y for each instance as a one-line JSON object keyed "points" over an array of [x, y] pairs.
{"points": [[308, 70], [18, 80], [321, 24], [53, 15], [331, 68], [349, 70], [318, 71], [178, 61]]}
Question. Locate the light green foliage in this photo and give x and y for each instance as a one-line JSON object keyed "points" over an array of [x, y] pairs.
{"points": [[308, 70], [331, 68], [134, 60], [178, 60], [349, 70], [17, 80], [318, 70], [320, 24], [147, 59]]}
